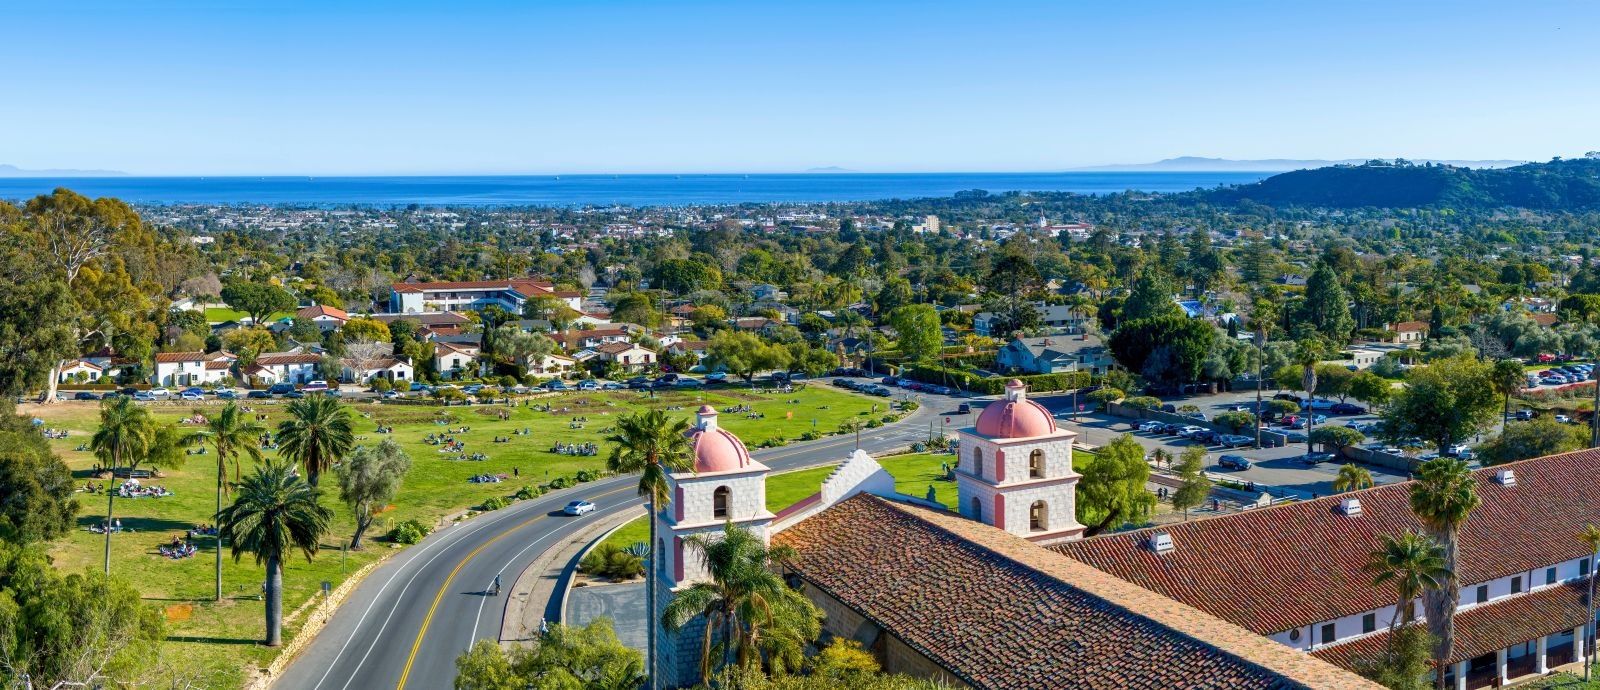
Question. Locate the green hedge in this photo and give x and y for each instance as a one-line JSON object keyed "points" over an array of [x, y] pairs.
{"points": [[966, 380]]}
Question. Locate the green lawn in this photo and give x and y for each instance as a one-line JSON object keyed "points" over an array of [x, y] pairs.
{"points": [[1566, 681], [218, 638], [913, 474]]}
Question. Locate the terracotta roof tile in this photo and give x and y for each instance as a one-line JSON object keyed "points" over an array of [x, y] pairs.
{"points": [[173, 357], [1287, 566], [322, 310], [1000, 612], [1486, 629]]}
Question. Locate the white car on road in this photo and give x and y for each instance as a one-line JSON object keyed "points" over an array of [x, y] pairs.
{"points": [[578, 508]]}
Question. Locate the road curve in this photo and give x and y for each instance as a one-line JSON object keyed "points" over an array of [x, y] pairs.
{"points": [[404, 626]]}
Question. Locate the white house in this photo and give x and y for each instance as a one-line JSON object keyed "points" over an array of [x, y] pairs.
{"points": [[369, 361], [454, 359], [191, 368], [1055, 354], [327, 318], [629, 356], [81, 369], [284, 367], [551, 364], [1056, 317]]}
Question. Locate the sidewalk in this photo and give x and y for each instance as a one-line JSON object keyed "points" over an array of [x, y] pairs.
{"points": [[530, 599]]}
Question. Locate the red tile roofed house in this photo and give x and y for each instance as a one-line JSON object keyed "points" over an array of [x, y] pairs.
{"points": [[592, 337], [284, 367], [191, 368], [326, 317], [452, 359], [1545, 319], [472, 295], [1409, 332], [82, 368], [935, 595], [628, 356], [1295, 573]]}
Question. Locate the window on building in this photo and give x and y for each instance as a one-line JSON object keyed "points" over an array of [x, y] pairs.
{"points": [[1516, 585], [1327, 633], [977, 461], [1583, 568], [1483, 593], [1294, 635], [1038, 516], [1369, 623], [1549, 576], [1036, 464], [661, 551], [720, 500], [977, 509]]}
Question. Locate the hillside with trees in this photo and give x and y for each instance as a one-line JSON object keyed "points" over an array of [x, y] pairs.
{"points": [[1559, 185]]}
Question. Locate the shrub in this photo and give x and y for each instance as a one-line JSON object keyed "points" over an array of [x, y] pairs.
{"points": [[408, 532], [1143, 402], [495, 503], [1235, 421], [1336, 436], [612, 561], [585, 476], [910, 405], [1105, 396], [528, 492], [508, 381], [873, 424], [811, 435], [382, 385], [562, 482]]}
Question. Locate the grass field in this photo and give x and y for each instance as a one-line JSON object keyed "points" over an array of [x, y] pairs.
{"points": [[913, 473], [218, 640]]}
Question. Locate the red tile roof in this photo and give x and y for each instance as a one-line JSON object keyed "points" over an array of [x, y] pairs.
{"points": [[283, 358], [173, 357], [1485, 629], [999, 612], [432, 318], [1411, 326], [1546, 319], [617, 348], [322, 310], [1288, 566]]}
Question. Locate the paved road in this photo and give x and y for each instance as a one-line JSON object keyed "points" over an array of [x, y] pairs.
{"points": [[405, 625]]}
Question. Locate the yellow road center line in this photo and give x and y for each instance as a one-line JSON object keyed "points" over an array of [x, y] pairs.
{"points": [[428, 619]]}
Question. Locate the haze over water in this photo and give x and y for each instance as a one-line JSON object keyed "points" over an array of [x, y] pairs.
{"points": [[587, 190]]}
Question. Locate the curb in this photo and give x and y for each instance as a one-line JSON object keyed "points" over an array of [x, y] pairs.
{"points": [[319, 617], [566, 592]]}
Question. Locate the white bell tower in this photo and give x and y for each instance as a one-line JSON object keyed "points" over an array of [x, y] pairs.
{"points": [[1015, 470]]}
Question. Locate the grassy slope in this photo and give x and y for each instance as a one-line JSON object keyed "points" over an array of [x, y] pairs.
{"points": [[218, 639]]}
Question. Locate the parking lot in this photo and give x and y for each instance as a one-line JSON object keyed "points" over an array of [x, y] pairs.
{"points": [[1280, 468]]}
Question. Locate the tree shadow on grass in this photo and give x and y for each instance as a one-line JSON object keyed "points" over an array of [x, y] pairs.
{"points": [[212, 640], [139, 524]]}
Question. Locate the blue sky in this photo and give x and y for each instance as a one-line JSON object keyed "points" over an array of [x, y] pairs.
{"points": [[683, 86]]}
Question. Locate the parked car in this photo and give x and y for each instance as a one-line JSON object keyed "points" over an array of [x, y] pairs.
{"points": [[639, 382], [889, 381], [1295, 436], [192, 389], [159, 392], [1151, 426], [226, 394], [717, 377], [317, 385], [1189, 431], [1316, 458], [1289, 397], [1233, 462], [1524, 414], [588, 385], [1236, 440], [963, 408], [257, 395], [688, 382], [280, 389], [390, 395], [578, 508], [1563, 419], [612, 386], [85, 395], [556, 385], [294, 395], [144, 396], [1318, 404], [192, 397], [1347, 408]]}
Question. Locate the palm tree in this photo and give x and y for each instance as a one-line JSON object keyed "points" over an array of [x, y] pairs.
{"points": [[653, 446], [1414, 562], [1591, 538], [1509, 378], [1161, 457], [1306, 354], [1444, 494], [1353, 477], [760, 617], [123, 438], [317, 434], [230, 433], [275, 513]]}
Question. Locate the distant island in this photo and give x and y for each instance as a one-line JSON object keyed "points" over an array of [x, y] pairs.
{"points": [[14, 171], [1201, 164]]}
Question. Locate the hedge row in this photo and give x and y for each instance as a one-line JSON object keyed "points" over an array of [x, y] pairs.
{"points": [[1037, 383]]}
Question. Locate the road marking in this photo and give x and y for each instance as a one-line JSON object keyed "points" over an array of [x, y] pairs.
{"points": [[427, 619]]}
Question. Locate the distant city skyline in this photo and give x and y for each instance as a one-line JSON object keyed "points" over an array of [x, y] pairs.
{"points": [[404, 88]]}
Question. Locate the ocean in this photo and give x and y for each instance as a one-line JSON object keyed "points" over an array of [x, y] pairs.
{"points": [[605, 190]]}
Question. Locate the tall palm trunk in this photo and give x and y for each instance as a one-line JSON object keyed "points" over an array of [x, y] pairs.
{"points": [[1589, 626], [650, 598], [111, 499], [274, 601], [221, 468], [1440, 605]]}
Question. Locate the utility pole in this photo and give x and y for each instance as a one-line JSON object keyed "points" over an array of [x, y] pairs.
{"points": [[1261, 337]]}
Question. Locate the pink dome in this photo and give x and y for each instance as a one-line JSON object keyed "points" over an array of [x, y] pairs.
{"points": [[716, 450], [1016, 416]]}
